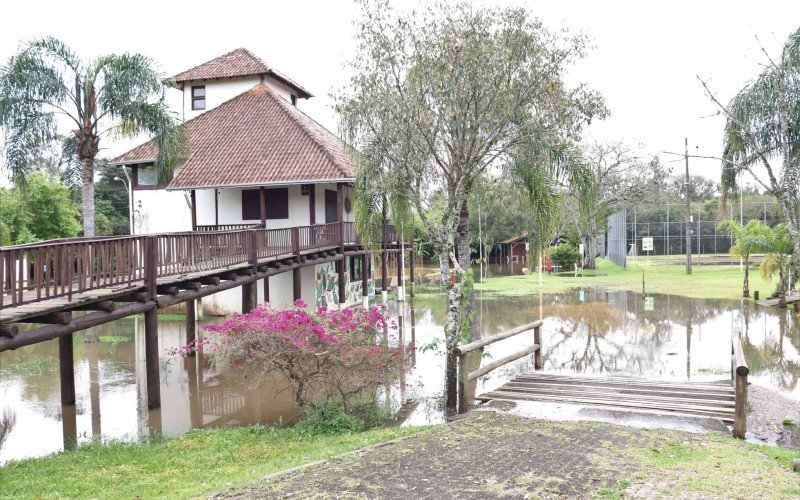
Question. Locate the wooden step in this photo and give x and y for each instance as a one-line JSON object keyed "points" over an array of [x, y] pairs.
{"points": [[631, 382], [692, 410], [660, 391]]}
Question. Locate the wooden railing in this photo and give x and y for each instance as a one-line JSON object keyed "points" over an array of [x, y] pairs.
{"points": [[60, 268], [739, 372], [465, 376]]}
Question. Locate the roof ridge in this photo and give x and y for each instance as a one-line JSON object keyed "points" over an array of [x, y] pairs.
{"points": [[286, 107]]}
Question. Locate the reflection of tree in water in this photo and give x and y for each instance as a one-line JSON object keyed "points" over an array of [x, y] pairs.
{"points": [[7, 421], [770, 356]]}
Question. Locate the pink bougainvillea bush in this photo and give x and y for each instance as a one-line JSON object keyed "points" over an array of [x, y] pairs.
{"points": [[325, 355]]}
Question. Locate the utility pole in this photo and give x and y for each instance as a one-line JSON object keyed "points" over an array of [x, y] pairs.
{"points": [[688, 213]]}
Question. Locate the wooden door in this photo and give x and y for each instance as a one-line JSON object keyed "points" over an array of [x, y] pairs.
{"points": [[330, 206]]}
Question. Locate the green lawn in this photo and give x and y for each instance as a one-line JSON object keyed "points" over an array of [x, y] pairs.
{"points": [[189, 465], [705, 281]]}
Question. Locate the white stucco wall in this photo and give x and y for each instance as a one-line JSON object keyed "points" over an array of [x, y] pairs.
{"points": [[219, 91], [281, 294], [161, 211], [230, 207]]}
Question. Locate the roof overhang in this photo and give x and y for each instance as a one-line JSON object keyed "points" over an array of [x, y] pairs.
{"points": [[259, 184]]}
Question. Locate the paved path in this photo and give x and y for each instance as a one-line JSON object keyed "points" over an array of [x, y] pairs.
{"points": [[494, 455], [483, 455]]}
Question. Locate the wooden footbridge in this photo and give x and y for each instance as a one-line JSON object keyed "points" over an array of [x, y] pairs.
{"points": [[726, 401], [107, 279]]}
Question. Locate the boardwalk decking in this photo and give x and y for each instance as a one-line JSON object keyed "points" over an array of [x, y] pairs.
{"points": [[697, 399]]}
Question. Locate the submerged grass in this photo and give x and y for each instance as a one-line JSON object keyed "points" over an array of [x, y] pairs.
{"points": [[705, 282], [189, 465]]}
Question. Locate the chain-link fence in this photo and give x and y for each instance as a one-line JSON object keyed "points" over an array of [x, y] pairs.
{"points": [[661, 230]]}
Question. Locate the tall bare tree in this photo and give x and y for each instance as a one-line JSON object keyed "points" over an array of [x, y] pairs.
{"points": [[438, 97], [615, 174]]}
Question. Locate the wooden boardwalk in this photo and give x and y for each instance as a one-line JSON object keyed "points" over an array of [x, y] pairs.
{"points": [[696, 399]]}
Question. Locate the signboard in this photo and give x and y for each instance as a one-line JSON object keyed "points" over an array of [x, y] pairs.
{"points": [[648, 303], [581, 249], [647, 244]]}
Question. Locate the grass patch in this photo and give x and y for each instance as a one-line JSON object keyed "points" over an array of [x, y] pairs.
{"points": [[189, 465], [30, 365], [705, 282], [712, 464], [114, 339], [788, 422]]}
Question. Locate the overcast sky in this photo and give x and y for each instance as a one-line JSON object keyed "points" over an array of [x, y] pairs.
{"points": [[645, 60]]}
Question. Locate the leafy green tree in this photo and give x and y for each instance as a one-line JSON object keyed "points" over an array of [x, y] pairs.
{"points": [[39, 210], [780, 247], [503, 210], [45, 84], [440, 96], [751, 238]]}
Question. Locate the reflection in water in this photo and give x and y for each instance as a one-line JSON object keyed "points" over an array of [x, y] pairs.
{"points": [[592, 332]]}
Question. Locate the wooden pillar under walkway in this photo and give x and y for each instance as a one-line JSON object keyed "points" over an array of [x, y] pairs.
{"points": [[266, 289], [297, 284], [249, 297], [151, 358], [191, 323], [151, 326], [66, 369], [384, 264]]}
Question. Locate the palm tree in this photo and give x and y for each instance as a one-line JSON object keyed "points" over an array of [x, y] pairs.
{"points": [[747, 239], [761, 133], [45, 87], [780, 247]]}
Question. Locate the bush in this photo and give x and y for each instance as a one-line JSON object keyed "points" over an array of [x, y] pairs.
{"points": [[328, 357], [328, 418], [564, 255]]}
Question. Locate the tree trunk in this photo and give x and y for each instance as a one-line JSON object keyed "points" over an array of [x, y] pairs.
{"points": [[781, 289], [452, 327], [464, 261], [746, 286], [87, 178], [444, 269]]}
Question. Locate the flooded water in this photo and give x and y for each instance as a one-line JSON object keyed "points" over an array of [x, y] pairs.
{"points": [[664, 337]]}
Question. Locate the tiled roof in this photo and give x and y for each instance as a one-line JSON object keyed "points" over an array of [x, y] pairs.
{"points": [[240, 62], [256, 138]]}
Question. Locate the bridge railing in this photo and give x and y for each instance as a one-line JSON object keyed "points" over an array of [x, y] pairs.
{"points": [[58, 268], [465, 376], [61, 268]]}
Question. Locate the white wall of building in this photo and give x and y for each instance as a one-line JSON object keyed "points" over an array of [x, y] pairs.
{"points": [[160, 211], [219, 91]]}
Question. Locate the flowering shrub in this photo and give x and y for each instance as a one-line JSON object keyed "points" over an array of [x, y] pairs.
{"points": [[326, 356]]}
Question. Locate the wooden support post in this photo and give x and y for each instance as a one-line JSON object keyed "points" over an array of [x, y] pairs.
{"points": [[66, 369], [312, 204], [296, 284], [340, 270], [216, 207], [537, 339], [739, 372], [384, 264], [191, 323], [740, 407], [262, 196], [266, 289], [194, 210], [151, 325], [463, 382], [248, 297], [411, 271]]}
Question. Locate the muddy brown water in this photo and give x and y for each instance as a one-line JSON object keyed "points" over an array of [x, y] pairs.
{"points": [[590, 332]]}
